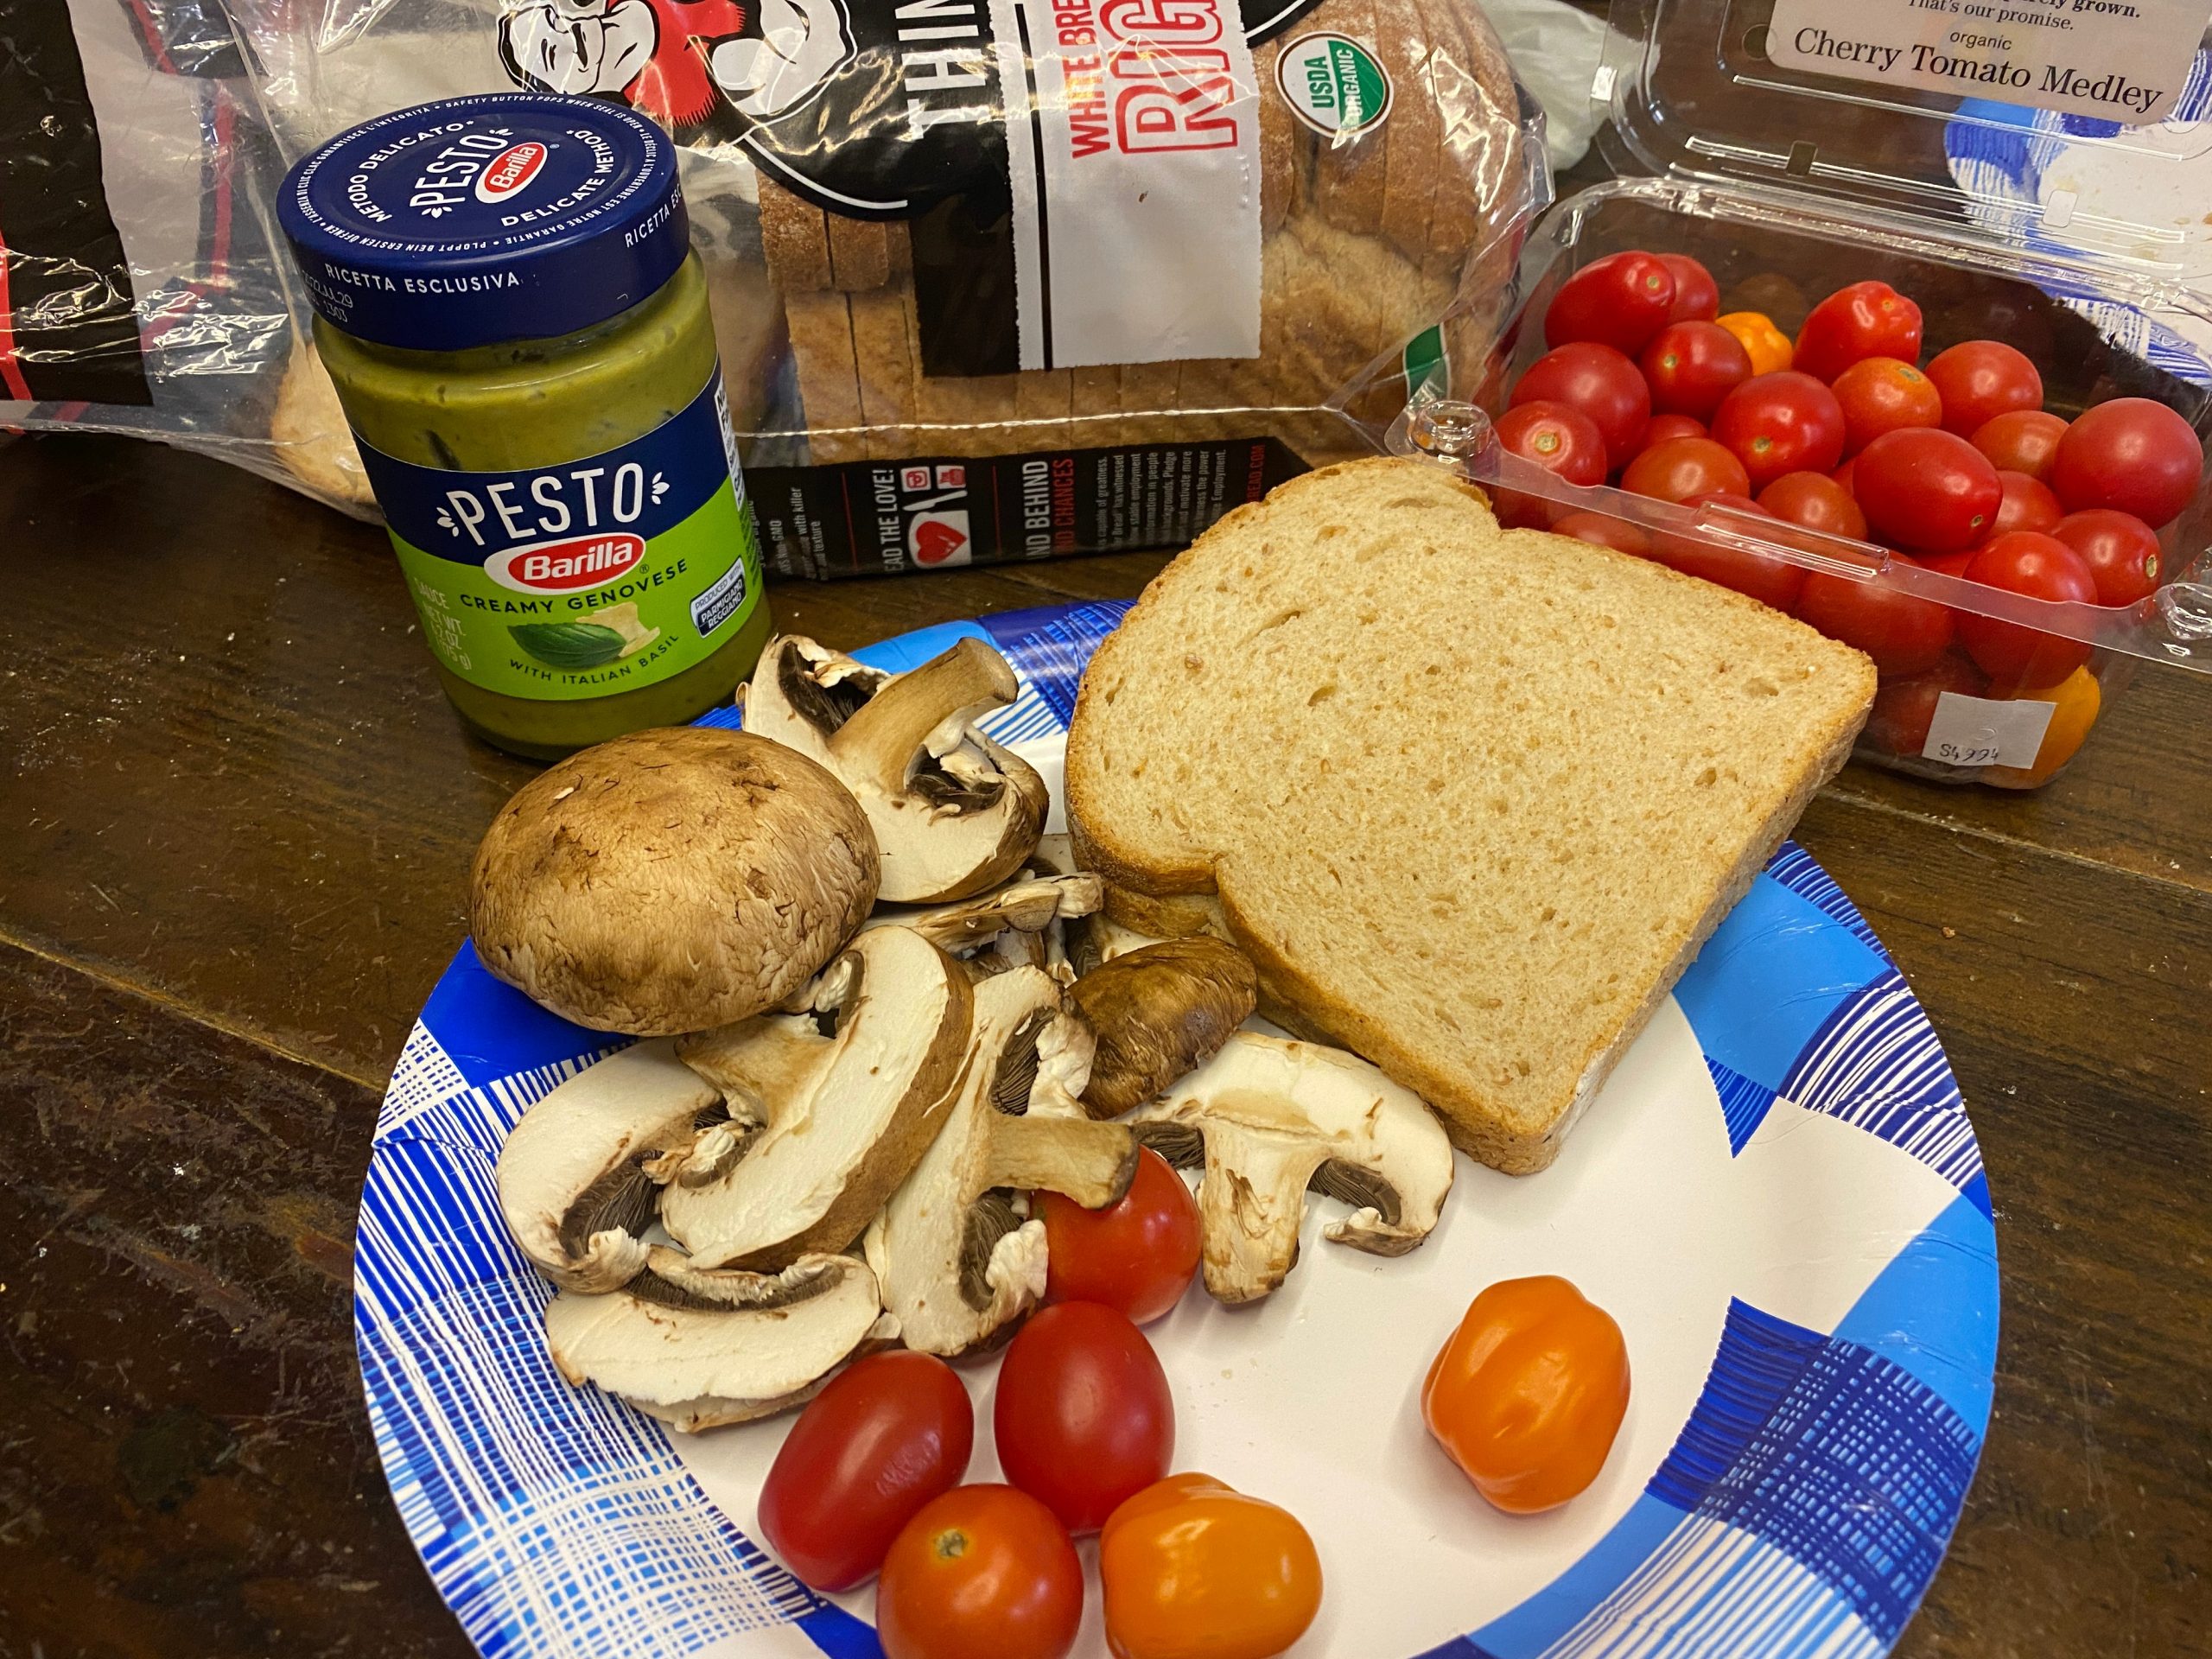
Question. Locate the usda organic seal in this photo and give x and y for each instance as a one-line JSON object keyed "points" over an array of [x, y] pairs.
{"points": [[1333, 84]]}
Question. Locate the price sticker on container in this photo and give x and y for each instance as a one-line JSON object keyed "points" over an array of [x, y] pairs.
{"points": [[1984, 732], [2125, 60]]}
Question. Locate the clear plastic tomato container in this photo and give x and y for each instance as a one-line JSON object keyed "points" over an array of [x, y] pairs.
{"points": [[1788, 186]]}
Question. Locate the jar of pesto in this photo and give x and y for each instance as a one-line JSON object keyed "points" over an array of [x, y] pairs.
{"points": [[508, 303]]}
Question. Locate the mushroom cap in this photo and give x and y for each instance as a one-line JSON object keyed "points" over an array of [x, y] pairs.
{"points": [[671, 879], [1161, 1011]]}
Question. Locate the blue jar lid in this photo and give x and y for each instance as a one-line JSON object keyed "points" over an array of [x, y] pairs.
{"points": [[504, 216]]}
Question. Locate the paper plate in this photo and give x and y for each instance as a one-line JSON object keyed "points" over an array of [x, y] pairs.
{"points": [[1778, 1195]]}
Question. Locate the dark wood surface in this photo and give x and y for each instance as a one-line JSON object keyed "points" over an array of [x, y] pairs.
{"points": [[235, 820]]}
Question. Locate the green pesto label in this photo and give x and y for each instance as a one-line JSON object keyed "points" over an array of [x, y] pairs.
{"points": [[585, 579]]}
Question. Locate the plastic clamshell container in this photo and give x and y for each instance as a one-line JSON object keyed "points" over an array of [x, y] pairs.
{"points": [[1788, 186]]}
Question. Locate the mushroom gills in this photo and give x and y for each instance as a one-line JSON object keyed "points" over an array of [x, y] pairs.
{"points": [[697, 1348], [850, 1091], [1270, 1118], [957, 1261], [572, 1174], [1015, 925]]}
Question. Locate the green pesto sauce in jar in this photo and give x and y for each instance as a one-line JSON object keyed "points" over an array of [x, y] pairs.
{"points": [[566, 504]]}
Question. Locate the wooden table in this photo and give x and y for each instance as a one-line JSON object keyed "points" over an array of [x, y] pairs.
{"points": [[235, 816]]}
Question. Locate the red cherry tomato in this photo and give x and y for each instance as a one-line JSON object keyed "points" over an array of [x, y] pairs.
{"points": [[1691, 366], [1600, 381], [981, 1570], [1682, 467], [2044, 567], [1616, 533], [1865, 320], [1904, 635], [1845, 475], [2131, 453], [2121, 552], [888, 1434], [1981, 380], [2022, 442], [2026, 505], [1770, 581], [1905, 709], [1136, 1255], [1880, 394], [1951, 564], [1697, 297], [1083, 1416], [1783, 423], [1927, 490], [1663, 427], [1557, 437], [1620, 301], [1817, 502]]}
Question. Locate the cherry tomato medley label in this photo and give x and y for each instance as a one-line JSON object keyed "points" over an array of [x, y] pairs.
{"points": [[2125, 60], [1981, 732], [580, 579]]}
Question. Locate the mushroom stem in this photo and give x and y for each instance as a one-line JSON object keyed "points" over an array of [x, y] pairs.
{"points": [[889, 731], [1250, 1204], [1092, 1163]]}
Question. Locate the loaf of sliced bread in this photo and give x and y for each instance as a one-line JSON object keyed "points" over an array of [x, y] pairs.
{"points": [[1471, 797]]}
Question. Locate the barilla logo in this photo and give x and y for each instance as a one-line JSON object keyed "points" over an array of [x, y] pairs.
{"points": [[560, 567], [510, 170]]}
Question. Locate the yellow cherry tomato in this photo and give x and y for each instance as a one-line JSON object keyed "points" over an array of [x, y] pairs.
{"points": [[1769, 348], [1192, 1569], [2078, 701]]}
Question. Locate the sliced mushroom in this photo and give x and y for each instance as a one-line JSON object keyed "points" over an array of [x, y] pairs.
{"points": [[1157, 1013], [1096, 940], [956, 1253], [830, 1108], [570, 1180], [697, 1348], [1014, 926], [1270, 1117], [953, 812]]}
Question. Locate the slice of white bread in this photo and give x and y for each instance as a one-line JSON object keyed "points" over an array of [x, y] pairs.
{"points": [[1471, 797]]}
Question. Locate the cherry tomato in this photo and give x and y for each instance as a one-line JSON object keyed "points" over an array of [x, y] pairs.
{"points": [[2131, 453], [1083, 1416], [1981, 380], [1691, 366], [1817, 502], [2022, 442], [1847, 475], [1606, 531], [981, 1570], [1865, 320], [2076, 701], [1697, 297], [2026, 505], [1904, 635], [1663, 427], [1620, 301], [1769, 347], [1880, 394], [1557, 437], [889, 1433], [1682, 467], [2044, 567], [1192, 1569], [1777, 424], [2121, 552], [1136, 1255], [1600, 381], [1905, 709], [1529, 1393], [1927, 490], [1951, 564], [1770, 581]]}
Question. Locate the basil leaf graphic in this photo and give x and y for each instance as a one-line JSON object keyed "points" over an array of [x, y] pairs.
{"points": [[568, 645]]}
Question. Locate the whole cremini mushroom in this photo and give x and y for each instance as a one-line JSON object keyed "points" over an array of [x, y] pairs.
{"points": [[671, 881]]}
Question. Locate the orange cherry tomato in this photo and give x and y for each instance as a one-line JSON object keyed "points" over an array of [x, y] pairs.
{"points": [[982, 1570], [2079, 700], [1771, 350], [1529, 1392], [1192, 1569]]}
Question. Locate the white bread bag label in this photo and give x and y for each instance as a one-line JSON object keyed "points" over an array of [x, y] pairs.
{"points": [[1133, 144], [2123, 60]]}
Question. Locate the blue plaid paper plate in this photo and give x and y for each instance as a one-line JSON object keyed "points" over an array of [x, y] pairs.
{"points": [[1778, 1196]]}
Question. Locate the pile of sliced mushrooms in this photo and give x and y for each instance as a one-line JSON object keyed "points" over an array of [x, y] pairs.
{"points": [[880, 1009]]}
